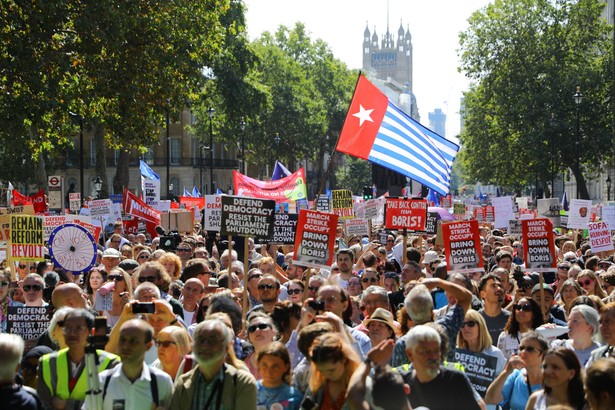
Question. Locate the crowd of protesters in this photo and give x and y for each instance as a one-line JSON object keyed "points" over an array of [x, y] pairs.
{"points": [[195, 327]]}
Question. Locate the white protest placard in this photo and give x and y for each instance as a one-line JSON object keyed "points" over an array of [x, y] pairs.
{"points": [[151, 191], [514, 228], [74, 201], [521, 202], [357, 226], [578, 216], [608, 216], [213, 213], [103, 302], [503, 211], [164, 205], [600, 237], [100, 208]]}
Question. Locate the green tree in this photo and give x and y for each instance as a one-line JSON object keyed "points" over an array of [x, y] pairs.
{"points": [[526, 58], [354, 174]]}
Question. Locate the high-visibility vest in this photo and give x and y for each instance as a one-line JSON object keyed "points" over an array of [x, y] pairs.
{"points": [[56, 373]]}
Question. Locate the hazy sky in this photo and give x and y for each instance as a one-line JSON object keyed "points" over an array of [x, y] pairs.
{"points": [[434, 26]]}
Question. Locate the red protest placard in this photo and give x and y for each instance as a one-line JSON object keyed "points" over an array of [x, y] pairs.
{"points": [[192, 202], [315, 238], [538, 245], [462, 246], [403, 213]]}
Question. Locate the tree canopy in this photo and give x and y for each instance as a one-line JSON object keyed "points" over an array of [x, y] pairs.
{"points": [[526, 58]]}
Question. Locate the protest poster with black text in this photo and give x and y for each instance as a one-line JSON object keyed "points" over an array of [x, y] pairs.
{"points": [[247, 217], [462, 246], [315, 239], [479, 367], [29, 322], [538, 245], [600, 237]]}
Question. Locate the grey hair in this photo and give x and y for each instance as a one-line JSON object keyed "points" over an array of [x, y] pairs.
{"points": [[419, 304], [217, 324], [147, 285], [590, 315], [233, 254], [58, 315], [11, 350], [376, 290], [421, 334]]}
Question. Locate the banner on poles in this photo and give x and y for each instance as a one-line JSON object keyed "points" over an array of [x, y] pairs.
{"points": [[462, 246], [315, 239], [401, 213], [290, 188], [538, 245], [244, 217]]}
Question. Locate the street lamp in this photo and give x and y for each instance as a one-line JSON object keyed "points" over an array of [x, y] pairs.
{"points": [[98, 186], [608, 188], [277, 145], [578, 99], [242, 127], [80, 118], [210, 113]]}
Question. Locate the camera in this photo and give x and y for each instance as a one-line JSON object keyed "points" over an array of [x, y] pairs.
{"points": [[317, 305], [143, 308]]}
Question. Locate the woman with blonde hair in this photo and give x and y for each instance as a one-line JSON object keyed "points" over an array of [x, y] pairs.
{"points": [[474, 336], [173, 343], [333, 363], [588, 280], [172, 264], [569, 290], [122, 294]]}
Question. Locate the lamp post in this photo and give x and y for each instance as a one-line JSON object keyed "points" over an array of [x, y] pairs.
{"points": [[608, 188], [210, 113], [168, 155], [80, 118], [98, 186], [578, 99], [242, 127], [277, 145]]}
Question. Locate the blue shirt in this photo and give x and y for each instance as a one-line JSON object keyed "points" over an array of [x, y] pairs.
{"points": [[287, 396], [515, 390]]}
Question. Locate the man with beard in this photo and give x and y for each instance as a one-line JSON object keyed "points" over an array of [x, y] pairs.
{"points": [[345, 260], [214, 384], [492, 293], [132, 383], [428, 379]]}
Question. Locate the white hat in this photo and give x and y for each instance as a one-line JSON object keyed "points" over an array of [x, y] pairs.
{"points": [[430, 256], [111, 253]]}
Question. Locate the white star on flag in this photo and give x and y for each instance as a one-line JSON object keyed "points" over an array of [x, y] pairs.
{"points": [[363, 115]]}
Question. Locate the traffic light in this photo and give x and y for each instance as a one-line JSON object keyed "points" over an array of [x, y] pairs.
{"points": [[368, 193]]}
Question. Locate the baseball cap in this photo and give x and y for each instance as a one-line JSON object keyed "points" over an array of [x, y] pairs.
{"points": [[546, 287], [128, 264], [111, 253]]}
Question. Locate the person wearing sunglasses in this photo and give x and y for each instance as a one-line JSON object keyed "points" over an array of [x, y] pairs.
{"points": [[552, 313], [32, 286], [154, 272], [474, 337], [370, 277], [261, 332], [296, 290], [173, 343], [526, 316], [522, 374], [268, 292], [5, 299], [120, 285], [588, 280]]}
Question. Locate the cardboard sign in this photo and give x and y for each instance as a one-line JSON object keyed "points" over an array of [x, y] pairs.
{"points": [[538, 245], [357, 227], [579, 214], [27, 238], [503, 206], [600, 237], [29, 322], [479, 367], [284, 229], [406, 213], [5, 219], [74, 201], [178, 220], [431, 225], [342, 203], [462, 246], [315, 239], [323, 203], [514, 228], [213, 213], [243, 216]]}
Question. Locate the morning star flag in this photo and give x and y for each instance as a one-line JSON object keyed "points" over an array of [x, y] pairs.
{"points": [[378, 131]]}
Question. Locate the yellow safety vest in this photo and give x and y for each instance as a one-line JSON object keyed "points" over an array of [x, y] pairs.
{"points": [[56, 373]]}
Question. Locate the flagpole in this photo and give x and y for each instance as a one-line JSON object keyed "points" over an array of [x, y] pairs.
{"points": [[332, 155]]}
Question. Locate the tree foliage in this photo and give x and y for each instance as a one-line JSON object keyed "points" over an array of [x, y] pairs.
{"points": [[526, 58]]}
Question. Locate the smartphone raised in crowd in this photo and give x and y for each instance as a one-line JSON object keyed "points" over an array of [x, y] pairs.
{"points": [[145, 307]]}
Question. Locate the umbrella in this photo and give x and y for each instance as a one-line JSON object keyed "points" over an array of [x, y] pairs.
{"points": [[443, 213]]}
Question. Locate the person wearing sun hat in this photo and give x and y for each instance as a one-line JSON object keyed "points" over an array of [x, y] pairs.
{"points": [[381, 326]]}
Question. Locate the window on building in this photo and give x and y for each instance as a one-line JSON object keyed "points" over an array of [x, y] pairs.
{"points": [[176, 151]]}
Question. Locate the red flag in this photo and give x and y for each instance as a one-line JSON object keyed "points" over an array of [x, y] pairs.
{"points": [[38, 200], [19, 199]]}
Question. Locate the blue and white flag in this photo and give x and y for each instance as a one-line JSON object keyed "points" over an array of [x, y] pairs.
{"points": [[195, 192], [147, 172], [280, 171], [187, 193]]}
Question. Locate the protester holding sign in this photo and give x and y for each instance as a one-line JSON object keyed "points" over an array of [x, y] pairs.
{"points": [[481, 360], [5, 300]]}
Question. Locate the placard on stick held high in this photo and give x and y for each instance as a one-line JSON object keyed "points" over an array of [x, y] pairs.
{"points": [[247, 217], [404, 213], [538, 245], [315, 239], [462, 246]]}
